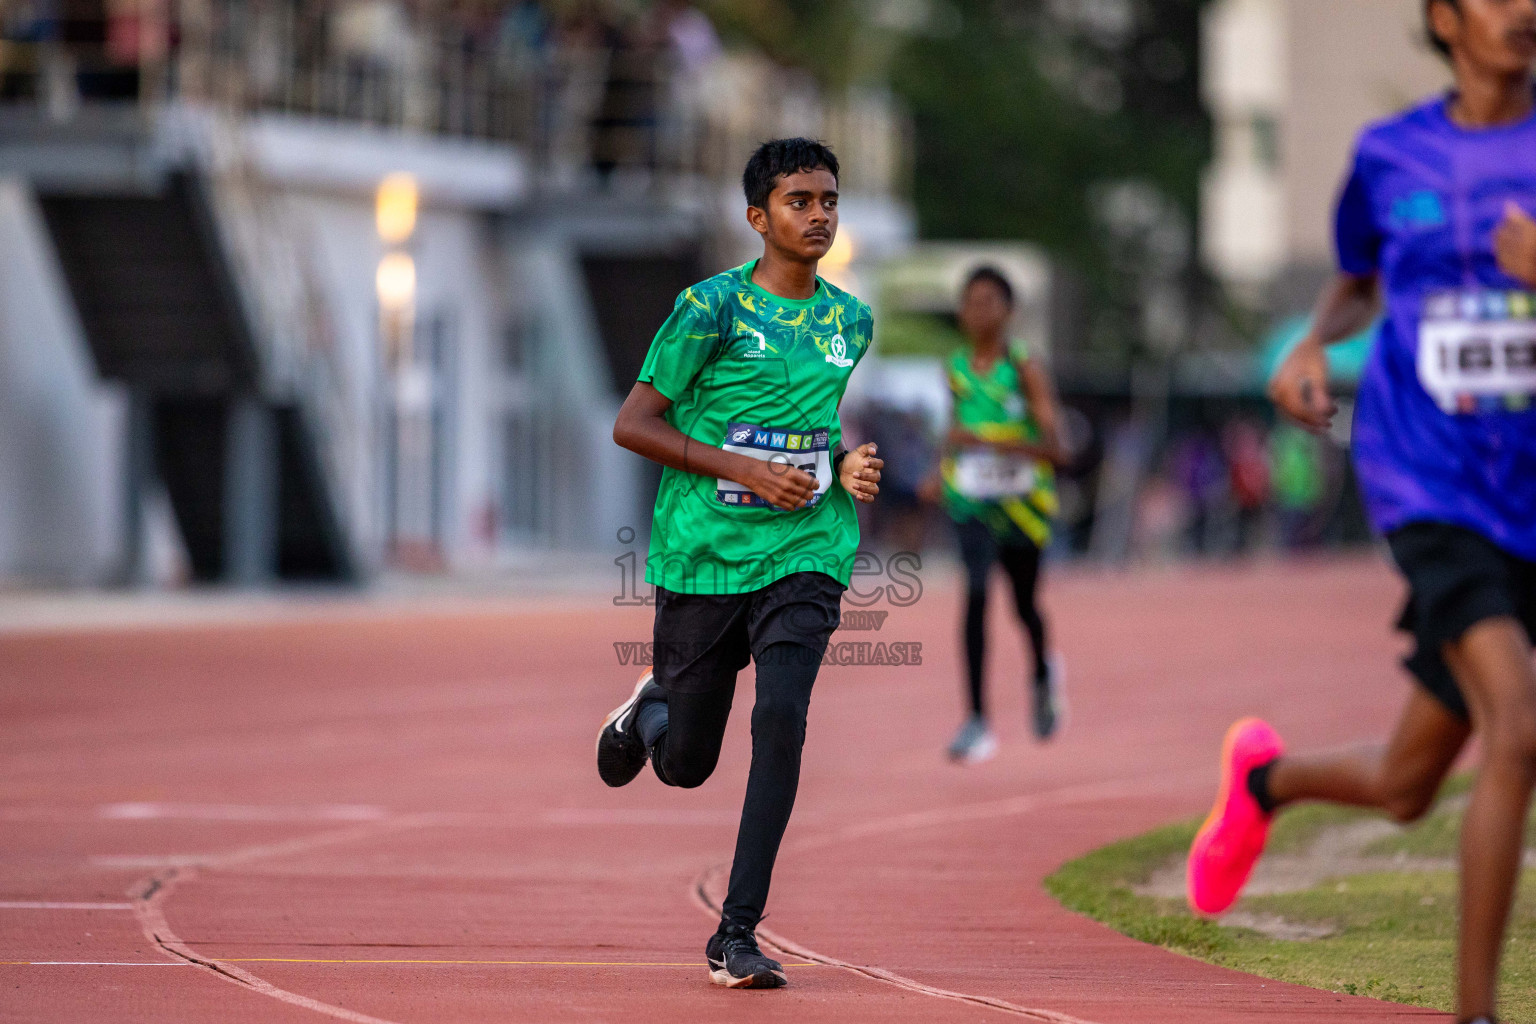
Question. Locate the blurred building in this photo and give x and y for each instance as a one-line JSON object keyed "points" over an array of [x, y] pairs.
{"points": [[298, 290], [1289, 84]]}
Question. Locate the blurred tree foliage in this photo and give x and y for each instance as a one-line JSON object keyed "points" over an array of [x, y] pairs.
{"points": [[824, 37], [1074, 124]]}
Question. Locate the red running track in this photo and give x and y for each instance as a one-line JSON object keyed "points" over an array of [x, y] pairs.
{"points": [[393, 815]]}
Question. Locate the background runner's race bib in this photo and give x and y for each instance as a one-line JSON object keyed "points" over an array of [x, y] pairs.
{"points": [[806, 450], [986, 475], [1478, 344]]}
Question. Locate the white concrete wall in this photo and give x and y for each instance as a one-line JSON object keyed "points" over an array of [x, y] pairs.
{"points": [[1349, 63], [60, 430], [1316, 70]]}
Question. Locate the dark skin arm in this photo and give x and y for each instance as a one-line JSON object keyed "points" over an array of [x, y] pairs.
{"points": [[1299, 387], [1347, 306], [642, 428]]}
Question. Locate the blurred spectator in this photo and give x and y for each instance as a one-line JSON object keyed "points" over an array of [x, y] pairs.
{"points": [[1299, 485], [523, 37], [690, 34], [374, 41], [1160, 521], [26, 26], [693, 51], [574, 88], [1201, 474], [627, 120], [1242, 442], [30, 21]]}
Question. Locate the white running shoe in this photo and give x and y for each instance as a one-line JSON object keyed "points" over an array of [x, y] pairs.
{"points": [[974, 743]]}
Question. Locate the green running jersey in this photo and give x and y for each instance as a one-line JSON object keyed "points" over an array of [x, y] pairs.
{"points": [[760, 375], [1011, 494]]}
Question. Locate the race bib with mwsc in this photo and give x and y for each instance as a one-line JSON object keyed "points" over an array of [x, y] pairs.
{"points": [[1478, 345], [988, 475], [806, 450]]}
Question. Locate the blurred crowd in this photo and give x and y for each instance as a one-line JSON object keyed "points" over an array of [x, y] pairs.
{"points": [[1216, 483], [1240, 486], [586, 81]]}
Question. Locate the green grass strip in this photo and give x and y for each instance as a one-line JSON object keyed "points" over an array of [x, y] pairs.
{"points": [[1393, 934]]}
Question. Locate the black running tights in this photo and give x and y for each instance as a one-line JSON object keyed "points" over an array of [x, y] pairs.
{"points": [[686, 753], [979, 550]]}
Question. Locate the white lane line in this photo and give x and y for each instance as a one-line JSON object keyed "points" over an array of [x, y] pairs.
{"points": [[637, 816], [240, 812], [153, 892], [712, 878], [43, 905], [90, 963], [261, 851], [140, 861]]}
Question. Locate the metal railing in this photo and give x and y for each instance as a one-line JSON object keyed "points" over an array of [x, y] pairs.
{"points": [[572, 106]]}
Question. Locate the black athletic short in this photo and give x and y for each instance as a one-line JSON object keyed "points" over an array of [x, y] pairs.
{"points": [[703, 640], [1456, 579]]}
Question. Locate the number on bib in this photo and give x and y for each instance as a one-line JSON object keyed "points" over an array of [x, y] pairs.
{"points": [[986, 475], [806, 450], [1477, 344]]}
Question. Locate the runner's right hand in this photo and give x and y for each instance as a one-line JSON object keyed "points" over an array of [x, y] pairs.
{"points": [[1300, 387], [780, 484]]}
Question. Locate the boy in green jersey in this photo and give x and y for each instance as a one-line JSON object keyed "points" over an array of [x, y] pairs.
{"points": [[754, 534], [998, 484]]}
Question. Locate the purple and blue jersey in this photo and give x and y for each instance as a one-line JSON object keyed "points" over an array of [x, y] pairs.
{"points": [[1445, 425]]}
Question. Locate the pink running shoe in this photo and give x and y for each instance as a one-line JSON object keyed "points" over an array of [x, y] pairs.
{"points": [[1232, 838]]}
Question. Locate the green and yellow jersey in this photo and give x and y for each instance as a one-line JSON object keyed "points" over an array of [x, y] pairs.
{"points": [[761, 375], [1012, 494]]}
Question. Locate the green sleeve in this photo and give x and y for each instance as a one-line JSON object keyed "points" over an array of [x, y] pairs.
{"points": [[683, 345], [866, 332]]}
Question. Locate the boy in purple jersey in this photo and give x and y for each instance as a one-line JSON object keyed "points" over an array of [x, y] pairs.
{"points": [[1435, 220]]}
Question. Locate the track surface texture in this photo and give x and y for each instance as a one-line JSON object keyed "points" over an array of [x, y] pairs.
{"points": [[392, 814]]}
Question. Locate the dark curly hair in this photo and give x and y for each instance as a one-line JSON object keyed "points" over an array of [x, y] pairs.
{"points": [[775, 159]]}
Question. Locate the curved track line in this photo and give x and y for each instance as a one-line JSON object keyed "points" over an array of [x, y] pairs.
{"points": [[921, 819], [150, 894], [878, 974], [151, 912]]}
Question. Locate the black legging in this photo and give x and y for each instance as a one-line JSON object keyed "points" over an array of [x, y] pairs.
{"points": [[979, 549], [686, 753]]}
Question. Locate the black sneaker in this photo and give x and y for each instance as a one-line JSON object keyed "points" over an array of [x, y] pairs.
{"points": [[736, 962], [1048, 708], [621, 752]]}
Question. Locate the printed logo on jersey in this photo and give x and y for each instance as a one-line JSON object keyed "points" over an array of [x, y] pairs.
{"points": [[757, 345], [741, 436], [1417, 211], [839, 355]]}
